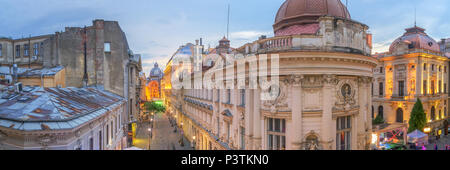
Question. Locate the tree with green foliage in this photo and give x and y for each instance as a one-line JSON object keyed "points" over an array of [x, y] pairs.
{"points": [[418, 118], [378, 120], [154, 107]]}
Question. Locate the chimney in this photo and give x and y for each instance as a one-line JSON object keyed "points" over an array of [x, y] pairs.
{"points": [[196, 42], [369, 40], [14, 73]]}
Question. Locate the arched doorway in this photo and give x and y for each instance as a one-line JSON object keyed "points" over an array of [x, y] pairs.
{"points": [[433, 113], [380, 112], [399, 117]]}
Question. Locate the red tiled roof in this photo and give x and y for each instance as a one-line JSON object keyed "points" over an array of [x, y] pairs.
{"points": [[299, 29]]}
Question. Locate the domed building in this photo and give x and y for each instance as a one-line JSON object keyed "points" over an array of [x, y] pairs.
{"points": [[413, 68], [154, 83], [319, 100]]}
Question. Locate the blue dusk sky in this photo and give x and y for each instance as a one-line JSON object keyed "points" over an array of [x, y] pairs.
{"points": [[156, 28]]}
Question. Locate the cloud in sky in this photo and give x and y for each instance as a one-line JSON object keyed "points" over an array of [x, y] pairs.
{"points": [[156, 28]]}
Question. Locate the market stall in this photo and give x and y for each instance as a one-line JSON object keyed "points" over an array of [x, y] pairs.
{"points": [[418, 138], [390, 137]]}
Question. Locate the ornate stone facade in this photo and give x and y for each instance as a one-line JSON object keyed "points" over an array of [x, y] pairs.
{"points": [[324, 79]]}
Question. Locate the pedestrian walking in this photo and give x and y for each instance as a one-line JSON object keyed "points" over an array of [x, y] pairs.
{"points": [[435, 147]]}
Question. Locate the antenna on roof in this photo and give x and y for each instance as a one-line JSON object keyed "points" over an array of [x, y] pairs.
{"points": [[228, 22], [415, 15]]}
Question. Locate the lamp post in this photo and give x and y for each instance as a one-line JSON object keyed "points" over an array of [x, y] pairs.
{"points": [[149, 137], [193, 142]]}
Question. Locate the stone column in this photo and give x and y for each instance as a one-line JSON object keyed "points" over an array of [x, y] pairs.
{"points": [[248, 119], [257, 120], [296, 105], [329, 82], [363, 110]]}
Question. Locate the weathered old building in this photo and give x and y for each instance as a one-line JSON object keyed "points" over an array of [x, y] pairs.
{"points": [[61, 119], [93, 56]]}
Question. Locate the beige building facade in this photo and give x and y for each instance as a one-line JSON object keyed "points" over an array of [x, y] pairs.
{"points": [[413, 68], [322, 100]]}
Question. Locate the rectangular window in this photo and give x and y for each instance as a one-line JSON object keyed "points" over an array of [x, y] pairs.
{"points": [[228, 96], [218, 95], [381, 88], [228, 131], [107, 47], [26, 50], [343, 133], [35, 49], [445, 87], [440, 86], [276, 132], [242, 138], [91, 143], [432, 88], [17, 50], [107, 134], [100, 140], [401, 88], [112, 130], [381, 69], [242, 97], [1, 50], [425, 89]]}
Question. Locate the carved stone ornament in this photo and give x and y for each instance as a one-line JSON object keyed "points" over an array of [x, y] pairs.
{"points": [[281, 99], [46, 140], [346, 94]]}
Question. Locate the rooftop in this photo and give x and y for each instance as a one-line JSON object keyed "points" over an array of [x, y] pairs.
{"points": [[54, 108], [26, 72]]}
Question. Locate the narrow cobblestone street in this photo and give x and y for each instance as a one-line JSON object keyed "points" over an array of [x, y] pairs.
{"points": [[163, 135], [441, 143]]}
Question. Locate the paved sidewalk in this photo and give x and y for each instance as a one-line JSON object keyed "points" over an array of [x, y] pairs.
{"points": [[440, 143], [163, 137]]}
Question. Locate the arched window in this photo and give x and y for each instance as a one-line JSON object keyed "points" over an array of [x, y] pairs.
{"points": [[380, 111], [399, 115], [433, 113]]}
